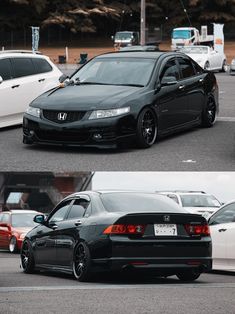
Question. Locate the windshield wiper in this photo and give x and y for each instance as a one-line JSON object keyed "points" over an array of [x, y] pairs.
{"points": [[78, 82]]}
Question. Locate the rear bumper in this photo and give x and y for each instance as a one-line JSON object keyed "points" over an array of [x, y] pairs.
{"points": [[161, 265]]}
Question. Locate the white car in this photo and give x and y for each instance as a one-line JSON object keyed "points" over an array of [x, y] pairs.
{"points": [[222, 227], [206, 57], [23, 77], [197, 202]]}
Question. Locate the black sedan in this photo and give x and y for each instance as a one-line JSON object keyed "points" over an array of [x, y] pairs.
{"points": [[115, 231], [125, 96]]}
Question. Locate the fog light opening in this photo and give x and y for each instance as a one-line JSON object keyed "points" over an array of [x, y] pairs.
{"points": [[97, 136]]}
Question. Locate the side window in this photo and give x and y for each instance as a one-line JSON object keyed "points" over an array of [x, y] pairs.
{"points": [[79, 208], [5, 69], [170, 70], [186, 68], [41, 65], [23, 67], [197, 68], [61, 212], [226, 215], [5, 218]]}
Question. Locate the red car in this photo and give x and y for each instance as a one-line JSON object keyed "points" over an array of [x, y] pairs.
{"points": [[14, 225]]}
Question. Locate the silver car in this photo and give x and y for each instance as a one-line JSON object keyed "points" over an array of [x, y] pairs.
{"points": [[232, 67]]}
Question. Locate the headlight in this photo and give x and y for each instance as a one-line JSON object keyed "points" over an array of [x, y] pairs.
{"points": [[100, 114], [233, 62], [33, 111]]}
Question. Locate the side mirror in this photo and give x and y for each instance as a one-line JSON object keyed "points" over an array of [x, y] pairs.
{"points": [[168, 80], [1, 80], [39, 219], [62, 78]]}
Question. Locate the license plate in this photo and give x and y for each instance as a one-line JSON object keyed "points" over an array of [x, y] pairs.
{"points": [[165, 230]]}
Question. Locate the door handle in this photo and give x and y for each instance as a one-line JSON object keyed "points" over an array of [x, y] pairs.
{"points": [[201, 80], [41, 80], [78, 223], [181, 87], [14, 86], [222, 230]]}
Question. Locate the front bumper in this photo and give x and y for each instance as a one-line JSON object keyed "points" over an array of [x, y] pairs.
{"points": [[99, 133]]}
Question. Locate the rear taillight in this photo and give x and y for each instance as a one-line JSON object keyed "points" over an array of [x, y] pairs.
{"points": [[125, 229], [200, 230]]}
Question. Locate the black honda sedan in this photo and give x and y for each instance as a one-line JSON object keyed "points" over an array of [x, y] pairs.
{"points": [[124, 96], [96, 231]]}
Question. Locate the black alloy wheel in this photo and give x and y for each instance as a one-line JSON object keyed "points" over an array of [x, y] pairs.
{"points": [[146, 128], [209, 114], [189, 275], [13, 247], [81, 262], [27, 259]]}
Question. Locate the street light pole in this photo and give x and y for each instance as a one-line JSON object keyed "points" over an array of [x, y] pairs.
{"points": [[142, 23]]}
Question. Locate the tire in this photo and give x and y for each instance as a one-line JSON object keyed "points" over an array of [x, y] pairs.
{"points": [[13, 247], [82, 262], [224, 66], [207, 65], [146, 130], [27, 258], [188, 275], [209, 113]]}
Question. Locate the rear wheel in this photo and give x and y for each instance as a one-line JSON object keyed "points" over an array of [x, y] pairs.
{"points": [[209, 113], [82, 262], [146, 128], [13, 247], [27, 259], [189, 275]]}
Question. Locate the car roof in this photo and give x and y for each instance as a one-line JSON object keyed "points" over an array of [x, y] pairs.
{"points": [[136, 54], [21, 53], [18, 211], [183, 192], [100, 192]]}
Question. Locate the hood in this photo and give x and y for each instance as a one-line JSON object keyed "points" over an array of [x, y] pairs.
{"points": [[85, 97], [21, 230]]}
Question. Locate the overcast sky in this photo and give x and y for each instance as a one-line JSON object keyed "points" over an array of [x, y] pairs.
{"points": [[220, 184]]}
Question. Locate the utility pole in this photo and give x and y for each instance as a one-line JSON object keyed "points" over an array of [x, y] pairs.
{"points": [[142, 23]]}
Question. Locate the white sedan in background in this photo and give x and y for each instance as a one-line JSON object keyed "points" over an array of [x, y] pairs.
{"points": [[222, 227], [206, 57], [23, 77]]}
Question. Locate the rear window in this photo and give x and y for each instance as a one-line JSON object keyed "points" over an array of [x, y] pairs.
{"points": [[41, 65], [199, 201], [23, 220], [133, 202], [23, 67], [5, 69]]}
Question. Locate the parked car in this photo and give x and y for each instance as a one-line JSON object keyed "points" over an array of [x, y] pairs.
{"points": [[232, 67], [14, 225], [206, 57], [23, 77], [95, 231], [197, 202], [222, 226], [124, 96]]}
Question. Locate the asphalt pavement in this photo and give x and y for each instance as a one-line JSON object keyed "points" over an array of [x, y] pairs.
{"points": [[60, 293], [198, 149]]}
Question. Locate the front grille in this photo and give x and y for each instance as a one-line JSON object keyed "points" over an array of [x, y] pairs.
{"points": [[70, 116], [65, 136]]}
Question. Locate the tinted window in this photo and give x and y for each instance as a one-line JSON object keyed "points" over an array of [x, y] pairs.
{"points": [[23, 67], [132, 202], [78, 209], [170, 70], [5, 69], [41, 65], [225, 215], [186, 67], [61, 212], [197, 67]]}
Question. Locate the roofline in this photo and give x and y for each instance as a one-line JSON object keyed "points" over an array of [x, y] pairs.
{"points": [[21, 51]]}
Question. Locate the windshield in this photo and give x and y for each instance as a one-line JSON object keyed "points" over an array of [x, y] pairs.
{"points": [[195, 50], [133, 202], [23, 220], [181, 34], [116, 71], [123, 36], [199, 201]]}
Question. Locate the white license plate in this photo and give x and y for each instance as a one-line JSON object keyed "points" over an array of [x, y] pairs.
{"points": [[165, 230]]}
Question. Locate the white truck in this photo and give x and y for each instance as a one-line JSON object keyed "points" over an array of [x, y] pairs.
{"points": [[190, 36]]}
